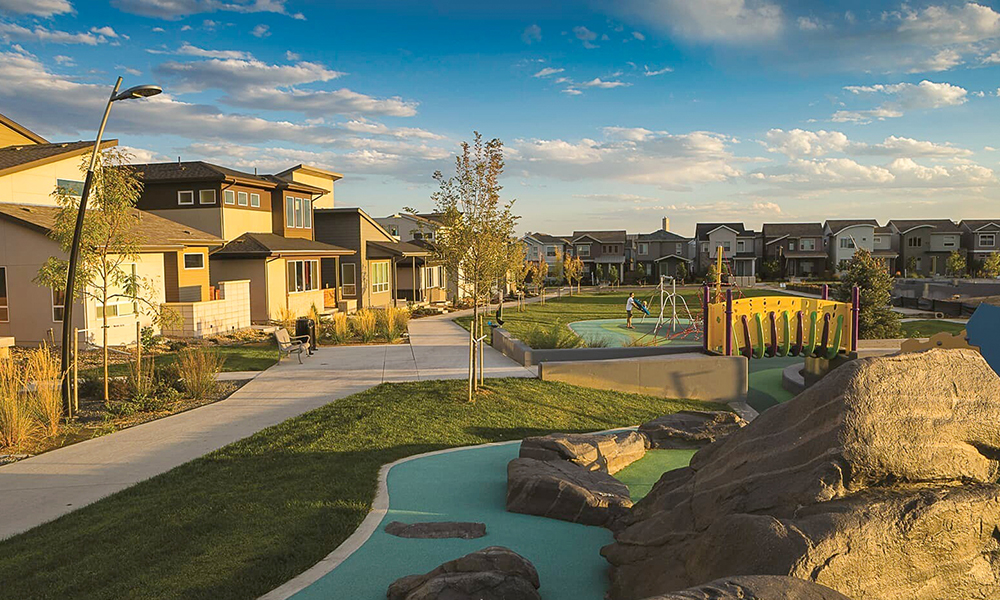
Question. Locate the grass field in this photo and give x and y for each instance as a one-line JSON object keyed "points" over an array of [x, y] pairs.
{"points": [[242, 520], [247, 357], [927, 328]]}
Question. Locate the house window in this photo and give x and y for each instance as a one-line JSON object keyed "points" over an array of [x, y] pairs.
{"points": [[69, 187], [298, 212], [58, 305], [289, 212], [741, 246], [230, 197], [303, 275], [914, 242], [194, 260], [394, 231], [680, 250], [307, 214], [185, 197], [418, 235], [380, 276], [988, 239], [643, 249], [583, 250], [791, 245], [255, 200], [949, 241], [550, 251], [242, 198], [4, 306], [429, 236], [119, 303], [807, 244], [726, 246], [206, 196], [919, 263], [348, 280], [846, 242]]}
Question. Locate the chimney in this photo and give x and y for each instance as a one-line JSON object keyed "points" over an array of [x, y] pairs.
{"points": [[666, 224]]}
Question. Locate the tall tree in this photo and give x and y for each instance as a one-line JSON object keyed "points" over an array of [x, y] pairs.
{"points": [[682, 272], [477, 226], [109, 246], [991, 266], [955, 265], [876, 319]]}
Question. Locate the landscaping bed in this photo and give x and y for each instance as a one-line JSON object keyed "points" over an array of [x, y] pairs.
{"points": [[240, 521]]}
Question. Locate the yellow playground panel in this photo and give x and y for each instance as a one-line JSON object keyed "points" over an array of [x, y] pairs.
{"points": [[768, 326]]}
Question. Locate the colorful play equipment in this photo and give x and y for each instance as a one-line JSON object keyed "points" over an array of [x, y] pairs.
{"points": [[768, 326], [669, 298]]}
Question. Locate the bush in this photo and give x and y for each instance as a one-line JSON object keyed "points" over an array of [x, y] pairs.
{"points": [[17, 427], [392, 322], [45, 392], [149, 339], [365, 324], [554, 337], [199, 367], [337, 330], [596, 343]]}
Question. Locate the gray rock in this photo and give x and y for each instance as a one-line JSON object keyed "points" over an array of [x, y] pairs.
{"points": [[756, 587], [690, 429], [566, 491], [437, 530], [880, 481], [494, 573], [607, 452]]}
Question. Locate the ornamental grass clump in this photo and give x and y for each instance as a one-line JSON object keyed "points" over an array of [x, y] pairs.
{"points": [[552, 338], [17, 425], [199, 368], [339, 330], [392, 323], [365, 324], [44, 397]]}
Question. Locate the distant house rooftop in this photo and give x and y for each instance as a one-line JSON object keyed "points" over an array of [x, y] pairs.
{"points": [[24, 156], [259, 245]]}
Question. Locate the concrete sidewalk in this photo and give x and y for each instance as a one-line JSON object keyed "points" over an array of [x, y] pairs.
{"points": [[44, 487]]}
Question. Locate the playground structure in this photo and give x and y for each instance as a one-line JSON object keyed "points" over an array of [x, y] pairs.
{"points": [[679, 328], [769, 326]]}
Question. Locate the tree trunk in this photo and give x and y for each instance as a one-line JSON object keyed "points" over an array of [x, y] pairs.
{"points": [[472, 340], [104, 329]]}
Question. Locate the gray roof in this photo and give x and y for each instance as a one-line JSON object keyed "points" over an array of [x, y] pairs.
{"points": [[702, 230], [937, 225], [549, 239], [609, 236], [379, 249], [975, 224], [204, 171], [266, 244], [661, 235], [795, 230], [837, 225], [22, 156]]}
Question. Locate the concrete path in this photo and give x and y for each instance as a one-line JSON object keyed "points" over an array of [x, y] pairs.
{"points": [[44, 487]]}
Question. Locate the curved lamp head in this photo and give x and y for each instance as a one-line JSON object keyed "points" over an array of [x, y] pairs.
{"points": [[139, 91]]}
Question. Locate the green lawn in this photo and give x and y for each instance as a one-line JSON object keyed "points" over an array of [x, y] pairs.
{"points": [[246, 518], [248, 357], [927, 328], [589, 306]]}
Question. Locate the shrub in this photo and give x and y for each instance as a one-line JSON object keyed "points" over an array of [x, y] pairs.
{"points": [[199, 367], [45, 393], [876, 319], [392, 322], [286, 319], [149, 339], [551, 338], [596, 342], [17, 427], [338, 330], [365, 324], [140, 380]]}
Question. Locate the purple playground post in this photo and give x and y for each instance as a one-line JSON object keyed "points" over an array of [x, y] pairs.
{"points": [[704, 316], [855, 317], [729, 322], [826, 291]]}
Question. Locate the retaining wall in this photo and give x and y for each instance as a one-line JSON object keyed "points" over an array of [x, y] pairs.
{"points": [[517, 350]]}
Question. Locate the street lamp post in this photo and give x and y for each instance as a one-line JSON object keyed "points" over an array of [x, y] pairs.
{"points": [[139, 91]]}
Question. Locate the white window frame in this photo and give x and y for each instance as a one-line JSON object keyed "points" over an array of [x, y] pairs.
{"points": [[583, 250], [306, 273], [379, 284], [185, 193], [727, 246], [187, 254], [992, 237], [847, 243], [914, 242], [61, 307], [741, 245], [298, 213], [353, 286], [289, 212], [118, 302], [201, 197], [230, 197], [254, 200], [550, 251], [643, 248], [807, 244], [949, 241], [306, 213], [5, 307], [242, 199]]}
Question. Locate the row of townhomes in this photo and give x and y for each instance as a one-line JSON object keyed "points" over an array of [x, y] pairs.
{"points": [[222, 248], [907, 247]]}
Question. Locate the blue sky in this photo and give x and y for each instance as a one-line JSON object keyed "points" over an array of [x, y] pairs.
{"points": [[613, 114]]}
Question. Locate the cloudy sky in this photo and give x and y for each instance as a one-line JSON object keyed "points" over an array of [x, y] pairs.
{"points": [[613, 113]]}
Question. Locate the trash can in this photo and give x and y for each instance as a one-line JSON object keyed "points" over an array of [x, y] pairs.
{"points": [[306, 326]]}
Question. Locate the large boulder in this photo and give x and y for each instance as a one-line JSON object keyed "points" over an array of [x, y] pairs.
{"points": [[494, 573], [565, 490], [880, 482], [756, 587], [607, 452], [689, 429]]}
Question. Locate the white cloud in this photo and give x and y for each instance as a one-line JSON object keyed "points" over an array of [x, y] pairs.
{"points": [[17, 33], [548, 71], [653, 73], [240, 73], [906, 96], [597, 82], [798, 143], [722, 21], [367, 127], [586, 36], [189, 50], [808, 24], [38, 8], [638, 36], [175, 9], [321, 102], [531, 34], [105, 31], [261, 31], [942, 61], [66, 61], [845, 173], [572, 91], [969, 22]]}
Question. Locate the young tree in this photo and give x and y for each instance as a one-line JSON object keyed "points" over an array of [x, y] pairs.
{"points": [[991, 266], [877, 320], [477, 226], [539, 273], [911, 267], [520, 269], [681, 273], [109, 246], [771, 269], [955, 265], [613, 274], [573, 268]]}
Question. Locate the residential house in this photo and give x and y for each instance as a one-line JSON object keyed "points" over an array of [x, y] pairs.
{"points": [[266, 222], [660, 252], [844, 236], [885, 243], [924, 245], [599, 251], [542, 246], [427, 279], [380, 265], [980, 237], [797, 248], [739, 246]]}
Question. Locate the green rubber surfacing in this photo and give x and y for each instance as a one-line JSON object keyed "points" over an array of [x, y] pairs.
{"points": [[613, 334]]}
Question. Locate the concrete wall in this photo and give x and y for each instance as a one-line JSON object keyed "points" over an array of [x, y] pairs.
{"points": [[517, 350], [692, 375], [199, 319], [244, 269]]}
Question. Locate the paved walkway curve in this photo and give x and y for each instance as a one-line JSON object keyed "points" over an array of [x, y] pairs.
{"points": [[42, 488]]}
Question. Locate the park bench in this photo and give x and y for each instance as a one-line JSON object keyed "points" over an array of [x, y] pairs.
{"points": [[288, 345]]}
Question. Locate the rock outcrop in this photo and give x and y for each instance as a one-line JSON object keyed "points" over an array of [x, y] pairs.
{"points": [[607, 452], [690, 429], [880, 482], [756, 587], [494, 573], [564, 490], [436, 530]]}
